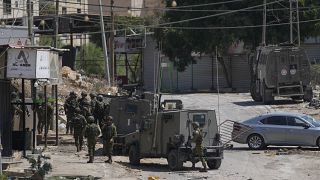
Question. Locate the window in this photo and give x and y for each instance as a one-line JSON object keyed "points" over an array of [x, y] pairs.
{"points": [[79, 1], [131, 108], [294, 121], [16, 4], [275, 120], [200, 118], [6, 6], [78, 11], [64, 10]]}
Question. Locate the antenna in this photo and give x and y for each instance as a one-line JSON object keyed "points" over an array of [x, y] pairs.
{"points": [[264, 29]]}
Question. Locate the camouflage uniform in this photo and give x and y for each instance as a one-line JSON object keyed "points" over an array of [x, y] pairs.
{"points": [[40, 113], [93, 101], [70, 105], [84, 105], [109, 131], [16, 109], [198, 150], [101, 110], [91, 132], [50, 110], [79, 123]]}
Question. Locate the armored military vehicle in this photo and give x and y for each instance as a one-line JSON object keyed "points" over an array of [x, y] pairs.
{"points": [[148, 129], [280, 71]]}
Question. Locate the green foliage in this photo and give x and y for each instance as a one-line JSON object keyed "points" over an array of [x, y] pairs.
{"points": [[3, 176], [179, 43], [47, 9], [90, 59], [40, 166]]}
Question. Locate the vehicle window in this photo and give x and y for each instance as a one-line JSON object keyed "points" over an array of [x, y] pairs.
{"points": [[264, 121], [294, 121], [311, 120], [200, 118], [131, 108], [276, 120]]}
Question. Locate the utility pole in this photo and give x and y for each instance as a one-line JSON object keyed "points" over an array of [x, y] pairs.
{"points": [[56, 27], [298, 22], [104, 44], [30, 21], [264, 29], [113, 63], [291, 26]]}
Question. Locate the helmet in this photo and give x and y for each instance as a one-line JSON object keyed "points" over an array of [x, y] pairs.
{"points": [[100, 98], [84, 94], [90, 119], [14, 94], [78, 110], [92, 95], [109, 118], [195, 124]]}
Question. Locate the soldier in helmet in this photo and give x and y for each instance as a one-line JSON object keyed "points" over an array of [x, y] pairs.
{"points": [[109, 132], [101, 110], [70, 106], [79, 123], [84, 104], [198, 150], [93, 101], [91, 132]]}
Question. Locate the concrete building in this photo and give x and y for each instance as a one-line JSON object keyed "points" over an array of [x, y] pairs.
{"points": [[17, 8], [135, 8]]}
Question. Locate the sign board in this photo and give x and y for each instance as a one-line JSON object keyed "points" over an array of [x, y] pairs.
{"points": [[21, 63], [33, 63], [128, 44]]}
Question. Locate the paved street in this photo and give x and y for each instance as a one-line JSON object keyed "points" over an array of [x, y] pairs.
{"points": [[239, 162]]}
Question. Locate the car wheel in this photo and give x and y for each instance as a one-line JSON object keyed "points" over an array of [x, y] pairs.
{"points": [[318, 142], [214, 164], [255, 141], [174, 162], [134, 157]]}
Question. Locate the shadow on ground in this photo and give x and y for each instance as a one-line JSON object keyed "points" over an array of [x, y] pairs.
{"points": [[276, 102], [155, 167]]}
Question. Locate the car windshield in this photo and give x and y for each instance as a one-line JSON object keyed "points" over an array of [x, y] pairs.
{"points": [[311, 120]]}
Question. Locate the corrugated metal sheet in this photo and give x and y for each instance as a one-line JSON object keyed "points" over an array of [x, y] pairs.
{"points": [[202, 73], [5, 118], [240, 73]]}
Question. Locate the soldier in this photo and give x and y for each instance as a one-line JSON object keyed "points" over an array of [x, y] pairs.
{"points": [[198, 150], [40, 113], [91, 132], [109, 131], [79, 123], [100, 110], [70, 105], [84, 104], [49, 119], [93, 101], [17, 112]]}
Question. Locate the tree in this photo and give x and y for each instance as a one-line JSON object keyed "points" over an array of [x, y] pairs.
{"points": [[180, 40], [90, 59]]}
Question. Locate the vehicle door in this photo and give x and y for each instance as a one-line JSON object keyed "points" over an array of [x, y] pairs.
{"points": [[288, 68], [274, 129], [298, 133]]}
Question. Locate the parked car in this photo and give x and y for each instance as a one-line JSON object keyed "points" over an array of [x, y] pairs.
{"points": [[281, 128]]}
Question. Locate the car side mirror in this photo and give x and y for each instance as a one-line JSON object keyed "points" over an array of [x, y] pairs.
{"points": [[306, 126]]}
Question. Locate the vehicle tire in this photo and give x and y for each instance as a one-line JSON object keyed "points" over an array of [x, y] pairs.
{"points": [[174, 162], [254, 94], [267, 97], [296, 98], [255, 141], [134, 156], [214, 164], [318, 142]]}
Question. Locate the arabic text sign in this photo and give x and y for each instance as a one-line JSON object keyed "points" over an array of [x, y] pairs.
{"points": [[21, 63]]}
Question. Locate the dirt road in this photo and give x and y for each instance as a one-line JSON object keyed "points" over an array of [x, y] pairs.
{"points": [[239, 162]]}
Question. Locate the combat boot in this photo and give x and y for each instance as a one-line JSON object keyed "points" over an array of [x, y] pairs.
{"points": [[109, 160], [90, 159], [77, 148]]}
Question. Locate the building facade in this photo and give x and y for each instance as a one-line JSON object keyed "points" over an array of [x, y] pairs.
{"points": [[17, 8]]}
